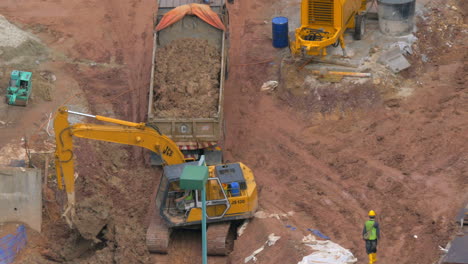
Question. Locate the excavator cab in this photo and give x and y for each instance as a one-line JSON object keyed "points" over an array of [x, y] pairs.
{"points": [[226, 189], [231, 195]]}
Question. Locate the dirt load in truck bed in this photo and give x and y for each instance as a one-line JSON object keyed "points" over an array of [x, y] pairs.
{"points": [[187, 79]]}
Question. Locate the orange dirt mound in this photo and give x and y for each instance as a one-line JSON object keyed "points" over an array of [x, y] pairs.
{"points": [[187, 79]]}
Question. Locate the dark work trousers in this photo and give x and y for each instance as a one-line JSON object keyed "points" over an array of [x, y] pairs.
{"points": [[371, 246]]}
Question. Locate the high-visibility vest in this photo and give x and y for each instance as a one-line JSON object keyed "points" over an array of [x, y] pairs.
{"points": [[371, 228], [189, 196]]}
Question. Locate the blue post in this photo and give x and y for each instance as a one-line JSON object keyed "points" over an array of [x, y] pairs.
{"points": [[195, 178], [204, 242]]}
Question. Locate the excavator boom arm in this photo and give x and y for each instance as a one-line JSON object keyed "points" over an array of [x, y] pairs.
{"points": [[129, 134]]}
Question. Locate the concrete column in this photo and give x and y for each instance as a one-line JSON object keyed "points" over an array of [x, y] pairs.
{"points": [[20, 196]]}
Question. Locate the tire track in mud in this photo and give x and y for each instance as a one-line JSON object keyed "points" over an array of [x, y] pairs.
{"points": [[341, 183], [401, 198]]}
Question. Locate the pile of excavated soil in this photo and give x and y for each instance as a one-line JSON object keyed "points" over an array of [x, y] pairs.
{"points": [[10, 35], [187, 79], [19, 48]]}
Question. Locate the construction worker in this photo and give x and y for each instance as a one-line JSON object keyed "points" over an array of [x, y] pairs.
{"points": [[226, 188], [185, 200], [371, 234]]}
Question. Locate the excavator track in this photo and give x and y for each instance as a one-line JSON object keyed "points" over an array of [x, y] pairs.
{"points": [[220, 239], [157, 235]]}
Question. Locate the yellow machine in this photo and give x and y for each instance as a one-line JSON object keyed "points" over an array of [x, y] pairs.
{"points": [[323, 23], [231, 188]]}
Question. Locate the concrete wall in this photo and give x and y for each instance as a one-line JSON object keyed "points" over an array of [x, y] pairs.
{"points": [[20, 196]]}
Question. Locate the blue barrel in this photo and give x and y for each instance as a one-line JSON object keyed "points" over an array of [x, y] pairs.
{"points": [[235, 189], [280, 32]]}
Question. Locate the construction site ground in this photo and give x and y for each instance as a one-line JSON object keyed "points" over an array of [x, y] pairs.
{"points": [[395, 143]]}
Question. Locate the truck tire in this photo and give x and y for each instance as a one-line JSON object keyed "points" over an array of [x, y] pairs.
{"points": [[360, 26]]}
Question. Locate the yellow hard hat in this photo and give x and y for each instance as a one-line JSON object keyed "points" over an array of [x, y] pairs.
{"points": [[371, 213]]}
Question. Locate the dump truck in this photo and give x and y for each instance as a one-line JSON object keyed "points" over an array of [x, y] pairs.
{"points": [[195, 133]]}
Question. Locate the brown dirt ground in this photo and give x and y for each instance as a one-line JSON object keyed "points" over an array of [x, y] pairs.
{"points": [[406, 159], [187, 79]]}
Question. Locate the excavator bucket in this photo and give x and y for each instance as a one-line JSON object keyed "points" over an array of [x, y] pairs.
{"points": [[204, 12]]}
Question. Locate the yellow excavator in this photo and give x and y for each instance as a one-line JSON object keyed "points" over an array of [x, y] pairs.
{"points": [[231, 191]]}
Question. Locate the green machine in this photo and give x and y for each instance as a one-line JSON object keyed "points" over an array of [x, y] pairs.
{"points": [[19, 89], [194, 178]]}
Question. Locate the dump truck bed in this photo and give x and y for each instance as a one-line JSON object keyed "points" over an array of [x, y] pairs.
{"points": [[193, 132]]}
